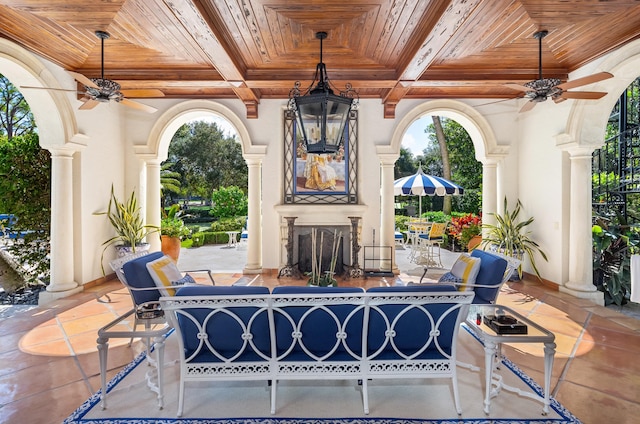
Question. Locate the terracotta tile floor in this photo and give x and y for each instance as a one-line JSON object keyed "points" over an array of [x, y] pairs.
{"points": [[49, 363]]}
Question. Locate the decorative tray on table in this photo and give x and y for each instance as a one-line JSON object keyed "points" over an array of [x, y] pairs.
{"points": [[505, 324]]}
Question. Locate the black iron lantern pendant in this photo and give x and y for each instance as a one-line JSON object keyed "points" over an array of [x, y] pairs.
{"points": [[322, 115]]}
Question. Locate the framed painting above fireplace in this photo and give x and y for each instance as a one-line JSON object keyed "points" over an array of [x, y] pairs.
{"points": [[320, 178]]}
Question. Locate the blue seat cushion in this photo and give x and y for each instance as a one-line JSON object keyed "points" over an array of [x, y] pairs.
{"points": [[225, 330], [317, 326], [412, 326], [137, 276], [492, 269]]}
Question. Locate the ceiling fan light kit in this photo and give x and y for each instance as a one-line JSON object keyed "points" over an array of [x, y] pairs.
{"points": [[104, 89], [540, 90]]}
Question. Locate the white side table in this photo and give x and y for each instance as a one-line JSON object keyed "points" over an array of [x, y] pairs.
{"points": [[493, 355], [151, 336], [233, 239]]}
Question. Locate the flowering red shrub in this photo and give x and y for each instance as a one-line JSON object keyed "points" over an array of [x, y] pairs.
{"points": [[471, 223]]}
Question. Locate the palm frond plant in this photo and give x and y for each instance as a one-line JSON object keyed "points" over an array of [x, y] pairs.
{"points": [[511, 237], [125, 218]]}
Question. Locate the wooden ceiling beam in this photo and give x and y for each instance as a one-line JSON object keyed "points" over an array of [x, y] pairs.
{"points": [[195, 18], [447, 24]]}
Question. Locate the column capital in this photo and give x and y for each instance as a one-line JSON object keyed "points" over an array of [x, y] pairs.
{"points": [[386, 155], [253, 160], [573, 147], [65, 150]]}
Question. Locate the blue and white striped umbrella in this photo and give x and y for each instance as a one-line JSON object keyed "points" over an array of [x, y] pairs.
{"points": [[421, 184]]}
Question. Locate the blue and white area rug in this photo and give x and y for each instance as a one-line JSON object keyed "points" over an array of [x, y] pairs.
{"points": [[321, 402]]}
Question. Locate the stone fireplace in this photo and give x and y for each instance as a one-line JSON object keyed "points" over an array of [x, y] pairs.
{"points": [[325, 236], [340, 221]]}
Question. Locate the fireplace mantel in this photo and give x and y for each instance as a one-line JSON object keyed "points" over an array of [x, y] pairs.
{"points": [[297, 220], [320, 214]]}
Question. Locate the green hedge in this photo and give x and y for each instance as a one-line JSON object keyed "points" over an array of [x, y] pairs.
{"points": [[209, 237], [229, 224]]}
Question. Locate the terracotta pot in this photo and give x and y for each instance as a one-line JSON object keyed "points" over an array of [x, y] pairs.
{"points": [[474, 242], [171, 246]]}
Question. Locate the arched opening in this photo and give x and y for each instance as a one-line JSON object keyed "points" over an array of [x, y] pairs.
{"points": [[487, 151], [616, 199], [204, 111], [57, 132]]}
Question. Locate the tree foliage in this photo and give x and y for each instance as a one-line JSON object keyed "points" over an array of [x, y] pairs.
{"points": [[206, 159], [16, 118], [405, 165], [229, 202], [466, 171], [25, 191]]}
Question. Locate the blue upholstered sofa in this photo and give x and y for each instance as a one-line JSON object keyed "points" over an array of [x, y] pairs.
{"points": [[247, 333]]}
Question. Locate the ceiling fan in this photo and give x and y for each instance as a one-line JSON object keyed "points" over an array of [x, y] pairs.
{"points": [[543, 88], [101, 90]]}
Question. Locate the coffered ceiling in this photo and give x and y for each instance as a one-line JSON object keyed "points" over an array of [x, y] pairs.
{"points": [[257, 49]]}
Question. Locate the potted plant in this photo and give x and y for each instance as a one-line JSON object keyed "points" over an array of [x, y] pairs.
{"points": [[128, 224], [172, 232], [510, 237]]}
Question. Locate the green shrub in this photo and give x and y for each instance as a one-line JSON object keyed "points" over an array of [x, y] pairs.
{"points": [[229, 202], [197, 239], [228, 224], [436, 216], [401, 222]]}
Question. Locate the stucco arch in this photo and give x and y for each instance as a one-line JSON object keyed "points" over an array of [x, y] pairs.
{"points": [[178, 115], [474, 123], [52, 110], [588, 120], [585, 132], [157, 148]]}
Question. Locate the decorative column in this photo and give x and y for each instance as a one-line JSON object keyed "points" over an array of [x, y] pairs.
{"points": [[489, 192], [580, 282], [61, 282], [153, 203], [290, 270], [254, 224], [354, 270], [387, 211]]}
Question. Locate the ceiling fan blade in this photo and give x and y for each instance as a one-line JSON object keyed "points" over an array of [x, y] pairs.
{"points": [[589, 79], [89, 104], [517, 86], [137, 105], [52, 89], [559, 99], [497, 101], [588, 95], [527, 106], [83, 80], [143, 92]]}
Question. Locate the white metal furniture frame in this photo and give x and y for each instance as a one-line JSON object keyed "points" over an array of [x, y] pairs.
{"points": [[305, 333], [155, 332], [493, 351]]}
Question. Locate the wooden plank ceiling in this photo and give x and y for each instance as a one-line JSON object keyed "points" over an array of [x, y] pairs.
{"points": [[257, 49]]}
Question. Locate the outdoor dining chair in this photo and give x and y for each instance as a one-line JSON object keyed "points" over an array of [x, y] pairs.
{"points": [[427, 243]]}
